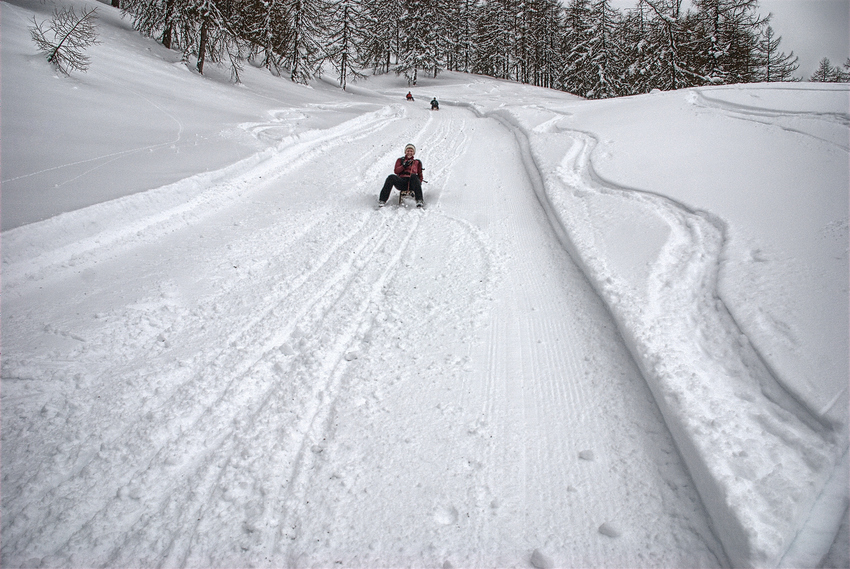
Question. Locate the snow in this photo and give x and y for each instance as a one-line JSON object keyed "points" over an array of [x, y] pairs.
{"points": [[616, 336]]}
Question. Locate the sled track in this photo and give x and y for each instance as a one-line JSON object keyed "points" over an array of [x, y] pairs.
{"points": [[243, 417]]}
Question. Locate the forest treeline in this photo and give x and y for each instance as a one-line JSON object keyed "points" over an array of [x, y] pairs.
{"points": [[585, 47]]}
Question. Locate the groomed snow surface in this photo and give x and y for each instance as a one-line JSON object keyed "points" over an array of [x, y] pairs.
{"points": [[617, 336]]}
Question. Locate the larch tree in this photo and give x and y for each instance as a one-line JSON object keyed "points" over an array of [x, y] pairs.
{"points": [[824, 73], [775, 65], [344, 39], [303, 46], [576, 48], [606, 70]]}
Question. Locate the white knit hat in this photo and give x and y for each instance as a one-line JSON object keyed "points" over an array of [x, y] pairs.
{"points": [[410, 146]]}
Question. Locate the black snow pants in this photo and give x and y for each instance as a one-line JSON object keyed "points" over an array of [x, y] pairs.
{"points": [[401, 184]]}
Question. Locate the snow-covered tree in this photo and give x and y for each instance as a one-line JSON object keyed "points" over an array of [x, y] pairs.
{"points": [[547, 29], [264, 26], [605, 57], [827, 73], [641, 57], [381, 33], [303, 46], [344, 39], [494, 38], [726, 41], [423, 34], [460, 40], [576, 51], [675, 35]]}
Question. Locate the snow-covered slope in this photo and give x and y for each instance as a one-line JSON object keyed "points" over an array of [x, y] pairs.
{"points": [[617, 336]]}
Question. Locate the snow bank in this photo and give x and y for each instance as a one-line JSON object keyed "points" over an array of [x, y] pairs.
{"points": [[762, 429], [32, 251]]}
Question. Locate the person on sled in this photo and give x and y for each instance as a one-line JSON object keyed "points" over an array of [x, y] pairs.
{"points": [[408, 176], [435, 105], [409, 96]]}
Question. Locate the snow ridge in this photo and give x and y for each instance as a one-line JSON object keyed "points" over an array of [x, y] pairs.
{"points": [[719, 398]]}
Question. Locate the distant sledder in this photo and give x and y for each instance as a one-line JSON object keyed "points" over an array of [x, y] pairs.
{"points": [[409, 96], [407, 179], [435, 105]]}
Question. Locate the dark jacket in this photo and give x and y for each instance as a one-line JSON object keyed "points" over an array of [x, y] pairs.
{"points": [[413, 168]]}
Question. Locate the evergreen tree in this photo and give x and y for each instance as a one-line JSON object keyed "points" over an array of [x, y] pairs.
{"points": [[164, 19], [345, 37], [547, 29], [417, 49], [302, 47], [460, 26], [675, 37], [381, 34], [640, 38], [606, 73], [825, 73], [727, 40], [436, 33], [775, 65], [494, 38], [576, 76], [264, 26]]}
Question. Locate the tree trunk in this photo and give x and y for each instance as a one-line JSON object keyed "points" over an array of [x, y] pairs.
{"points": [[202, 48], [166, 34]]}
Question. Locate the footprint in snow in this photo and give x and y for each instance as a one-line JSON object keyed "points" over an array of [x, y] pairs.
{"points": [[541, 561], [586, 455], [446, 515], [609, 529], [351, 356]]}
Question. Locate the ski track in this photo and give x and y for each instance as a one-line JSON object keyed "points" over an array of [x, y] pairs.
{"points": [[809, 124], [254, 397], [686, 268]]}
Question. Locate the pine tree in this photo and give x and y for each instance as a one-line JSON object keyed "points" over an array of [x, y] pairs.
{"points": [[726, 40], [639, 50], [345, 37], [844, 74], [494, 38], [154, 18], [264, 27], [775, 65], [605, 53], [674, 37], [547, 29], [302, 47], [416, 47], [576, 76], [381, 35], [825, 73], [460, 27], [435, 34]]}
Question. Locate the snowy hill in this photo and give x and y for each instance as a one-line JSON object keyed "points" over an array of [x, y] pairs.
{"points": [[616, 336]]}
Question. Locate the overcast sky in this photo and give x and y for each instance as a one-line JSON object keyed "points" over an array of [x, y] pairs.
{"points": [[812, 29]]}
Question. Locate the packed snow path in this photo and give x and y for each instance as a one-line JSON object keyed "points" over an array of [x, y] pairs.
{"points": [[274, 373]]}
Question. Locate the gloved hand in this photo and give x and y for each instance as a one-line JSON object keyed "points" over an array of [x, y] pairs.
{"points": [[406, 163]]}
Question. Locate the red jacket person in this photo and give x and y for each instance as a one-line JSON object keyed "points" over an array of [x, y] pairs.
{"points": [[408, 176]]}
